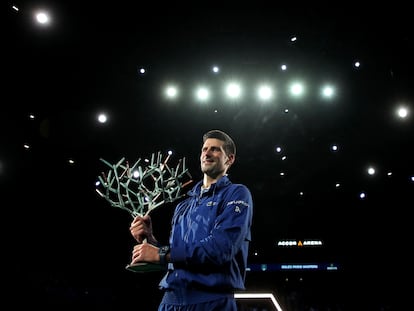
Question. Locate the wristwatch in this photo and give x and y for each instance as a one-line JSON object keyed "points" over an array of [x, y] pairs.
{"points": [[163, 251]]}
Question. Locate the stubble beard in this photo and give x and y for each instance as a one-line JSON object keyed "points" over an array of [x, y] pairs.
{"points": [[212, 172]]}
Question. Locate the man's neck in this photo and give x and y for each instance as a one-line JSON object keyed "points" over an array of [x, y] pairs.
{"points": [[208, 181]]}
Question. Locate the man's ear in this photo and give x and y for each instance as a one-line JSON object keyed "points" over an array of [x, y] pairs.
{"points": [[230, 159]]}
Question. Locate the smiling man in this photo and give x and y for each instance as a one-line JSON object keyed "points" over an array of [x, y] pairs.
{"points": [[207, 253]]}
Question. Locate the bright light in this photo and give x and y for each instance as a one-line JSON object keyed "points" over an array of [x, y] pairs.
{"points": [[233, 90], [328, 91], [296, 89], [402, 112], [42, 18], [371, 171], [259, 296], [102, 118], [171, 92], [142, 70], [265, 92], [202, 94]]}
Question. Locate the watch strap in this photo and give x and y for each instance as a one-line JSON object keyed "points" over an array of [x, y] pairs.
{"points": [[163, 251]]}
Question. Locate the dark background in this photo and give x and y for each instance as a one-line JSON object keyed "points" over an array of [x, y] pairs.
{"points": [[66, 246]]}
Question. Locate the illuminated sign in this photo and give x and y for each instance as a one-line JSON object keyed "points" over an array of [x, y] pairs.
{"points": [[264, 267], [299, 243]]}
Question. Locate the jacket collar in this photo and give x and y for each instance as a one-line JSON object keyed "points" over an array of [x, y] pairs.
{"points": [[222, 182]]}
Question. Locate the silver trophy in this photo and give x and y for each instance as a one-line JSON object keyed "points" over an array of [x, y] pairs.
{"points": [[142, 187]]}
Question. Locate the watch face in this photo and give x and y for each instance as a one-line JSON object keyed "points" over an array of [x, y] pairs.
{"points": [[164, 249]]}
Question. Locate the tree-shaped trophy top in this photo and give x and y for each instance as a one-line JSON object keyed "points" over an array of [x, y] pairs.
{"points": [[142, 187]]}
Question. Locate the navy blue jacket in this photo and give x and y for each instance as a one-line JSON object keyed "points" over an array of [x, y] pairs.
{"points": [[210, 238]]}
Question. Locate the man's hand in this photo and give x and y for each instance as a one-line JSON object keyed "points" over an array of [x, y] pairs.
{"points": [[145, 252], [141, 229]]}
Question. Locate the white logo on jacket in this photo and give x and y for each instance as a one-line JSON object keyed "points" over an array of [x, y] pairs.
{"points": [[238, 202]]}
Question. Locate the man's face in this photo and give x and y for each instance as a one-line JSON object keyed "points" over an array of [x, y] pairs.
{"points": [[213, 159]]}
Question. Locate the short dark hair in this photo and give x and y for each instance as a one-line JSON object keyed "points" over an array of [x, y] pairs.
{"points": [[229, 145]]}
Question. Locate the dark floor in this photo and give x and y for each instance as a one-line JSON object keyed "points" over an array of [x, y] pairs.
{"points": [[294, 291]]}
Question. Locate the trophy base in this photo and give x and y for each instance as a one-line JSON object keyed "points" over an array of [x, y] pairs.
{"points": [[143, 267]]}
